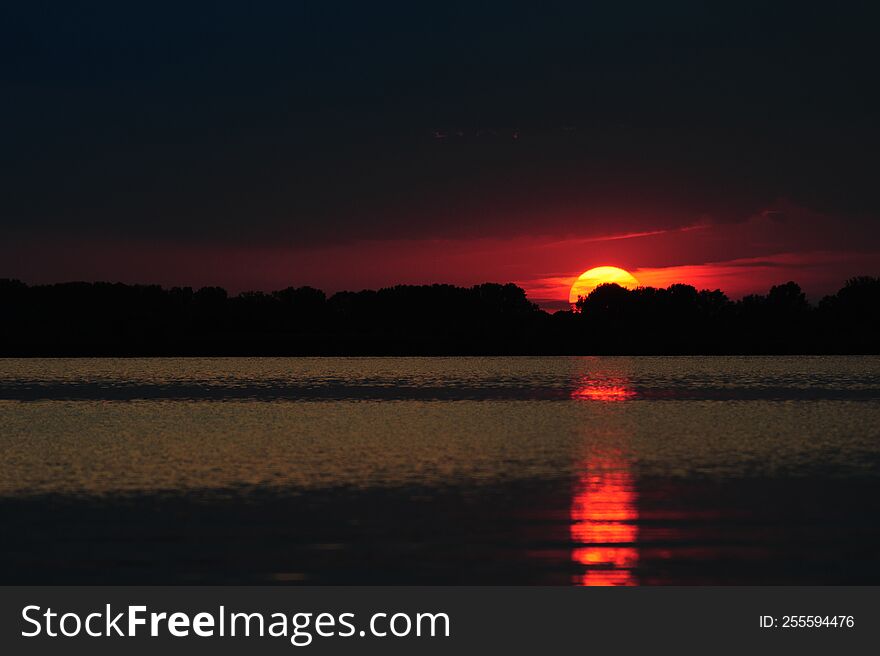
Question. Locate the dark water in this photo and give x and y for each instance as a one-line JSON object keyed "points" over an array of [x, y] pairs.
{"points": [[586, 471]]}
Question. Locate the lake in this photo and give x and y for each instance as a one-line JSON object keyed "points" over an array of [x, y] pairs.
{"points": [[545, 470]]}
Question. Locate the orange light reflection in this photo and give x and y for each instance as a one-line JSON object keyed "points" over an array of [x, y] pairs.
{"points": [[608, 389], [604, 511], [603, 524]]}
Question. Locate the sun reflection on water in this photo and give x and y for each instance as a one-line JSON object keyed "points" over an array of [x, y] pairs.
{"points": [[604, 504], [606, 389], [603, 524]]}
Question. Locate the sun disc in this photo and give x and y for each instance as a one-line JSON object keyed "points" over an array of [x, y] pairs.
{"points": [[589, 280]]}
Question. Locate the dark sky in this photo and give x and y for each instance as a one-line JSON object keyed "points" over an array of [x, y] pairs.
{"points": [[350, 144]]}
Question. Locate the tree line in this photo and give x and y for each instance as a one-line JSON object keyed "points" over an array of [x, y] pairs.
{"points": [[114, 319]]}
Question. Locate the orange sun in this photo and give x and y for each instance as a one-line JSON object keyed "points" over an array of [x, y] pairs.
{"points": [[589, 280]]}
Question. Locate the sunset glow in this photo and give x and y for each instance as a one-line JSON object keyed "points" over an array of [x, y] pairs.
{"points": [[596, 276]]}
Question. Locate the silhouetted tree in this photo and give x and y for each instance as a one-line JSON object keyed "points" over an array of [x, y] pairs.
{"points": [[115, 319], [852, 316]]}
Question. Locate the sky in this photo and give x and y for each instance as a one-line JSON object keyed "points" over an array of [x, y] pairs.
{"points": [[350, 145]]}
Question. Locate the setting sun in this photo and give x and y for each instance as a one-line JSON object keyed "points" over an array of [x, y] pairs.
{"points": [[596, 276]]}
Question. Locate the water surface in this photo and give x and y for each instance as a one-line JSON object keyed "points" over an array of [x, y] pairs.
{"points": [[588, 471]]}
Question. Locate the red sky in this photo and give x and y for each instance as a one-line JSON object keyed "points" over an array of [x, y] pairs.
{"points": [[358, 145], [779, 244]]}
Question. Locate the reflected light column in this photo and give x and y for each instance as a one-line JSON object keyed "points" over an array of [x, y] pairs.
{"points": [[604, 507], [603, 516]]}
